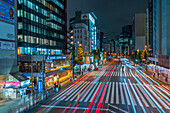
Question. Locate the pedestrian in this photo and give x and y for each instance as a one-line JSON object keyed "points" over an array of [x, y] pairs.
{"points": [[57, 88], [59, 85]]}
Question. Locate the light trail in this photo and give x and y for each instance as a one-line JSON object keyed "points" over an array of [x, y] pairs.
{"points": [[149, 95], [130, 97], [149, 77], [75, 108], [137, 97], [101, 98], [66, 108]]}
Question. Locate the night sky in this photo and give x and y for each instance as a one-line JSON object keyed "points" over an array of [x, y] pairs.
{"points": [[111, 14]]}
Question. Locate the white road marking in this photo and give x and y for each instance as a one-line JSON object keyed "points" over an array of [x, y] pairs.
{"points": [[145, 103], [121, 92], [117, 94], [127, 97], [88, 92], [112, 96], [108, 93]]}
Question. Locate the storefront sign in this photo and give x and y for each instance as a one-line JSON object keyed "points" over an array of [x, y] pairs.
{"points": [[56, 57], [8, 84], [87, 60], [25, 83], [7, 31], [9, 2], [7, 13], [7, 45], [40, 86]]}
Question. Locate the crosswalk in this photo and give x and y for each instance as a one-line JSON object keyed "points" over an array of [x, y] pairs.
{"points": [[115, 73], [117, 93]]}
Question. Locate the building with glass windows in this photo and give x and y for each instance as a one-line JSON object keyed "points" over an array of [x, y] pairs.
{"points": [[88, 19], [125, 40], [41, 27], [42, 38]]}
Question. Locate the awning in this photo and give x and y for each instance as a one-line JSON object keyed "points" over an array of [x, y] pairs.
{"points": [[19, 76], [53, 72]]}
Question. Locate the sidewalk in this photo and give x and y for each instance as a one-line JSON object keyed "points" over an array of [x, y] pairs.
{"points": [[160, 78]]}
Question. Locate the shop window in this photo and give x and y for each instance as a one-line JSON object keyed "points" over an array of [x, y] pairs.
{"points": [[20, 38]]}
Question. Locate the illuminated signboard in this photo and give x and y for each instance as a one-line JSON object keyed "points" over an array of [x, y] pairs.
{"points": [[40, 87], [7, 13], [8, 84], [25, 83], [56, 57], [88, 16]]}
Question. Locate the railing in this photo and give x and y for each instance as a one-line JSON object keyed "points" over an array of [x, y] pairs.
{"points": [[28, 102]]}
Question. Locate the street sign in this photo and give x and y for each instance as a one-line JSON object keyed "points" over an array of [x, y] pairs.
{"points": [[49, 60], [40, 86]]}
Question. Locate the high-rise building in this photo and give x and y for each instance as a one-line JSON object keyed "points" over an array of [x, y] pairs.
{"points": [[125, 39], [150, 27], [88, 19], [139, 31], [161, 28], [42, 39], [81, 37], [101, 41], [43, 23], [69, 41], [161, 31]]}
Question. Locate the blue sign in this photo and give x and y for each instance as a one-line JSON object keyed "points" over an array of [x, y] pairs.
{"points": [[40, 86], [11, 2], [7, 13], [110, 57], [56, 57]]}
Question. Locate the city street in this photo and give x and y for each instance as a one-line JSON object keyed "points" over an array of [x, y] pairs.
{"points": [[116, 88]]}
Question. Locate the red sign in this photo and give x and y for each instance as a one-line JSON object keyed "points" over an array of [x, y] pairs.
{"points": [[7, 84]]}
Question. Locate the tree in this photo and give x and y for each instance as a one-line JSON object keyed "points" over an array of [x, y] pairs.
{"points": [[80, 57], [73, 55], [144, 56]]}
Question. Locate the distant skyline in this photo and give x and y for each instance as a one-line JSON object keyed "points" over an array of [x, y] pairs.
{"points": [[111, 14]]}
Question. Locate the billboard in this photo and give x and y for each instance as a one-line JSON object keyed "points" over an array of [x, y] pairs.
{"points": [[7, 31], [7, 45], [7, 13], [87, 59], [11, 2], [84, 16], [87, 16]]}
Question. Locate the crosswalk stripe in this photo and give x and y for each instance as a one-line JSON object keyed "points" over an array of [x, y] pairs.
{"points": [[121, 91], [85, 91], [74, 92], [117, 94], [108, 93], [95, 92], [112, 96], [69, 91], [145, 103], [146, 96], [90, 93], [132, 96], [137, 97], [127, 98], [79, 91]]}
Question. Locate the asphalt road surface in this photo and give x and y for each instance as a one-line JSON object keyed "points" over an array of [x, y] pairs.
{"points": [[114, 89]]}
